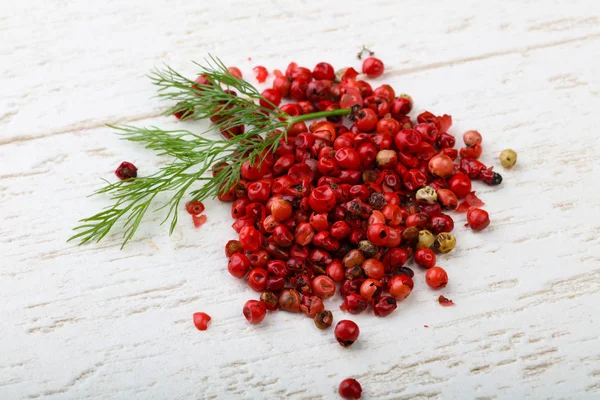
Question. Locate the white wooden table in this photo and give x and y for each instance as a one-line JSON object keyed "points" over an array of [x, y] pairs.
{"points": [[100, 322]]}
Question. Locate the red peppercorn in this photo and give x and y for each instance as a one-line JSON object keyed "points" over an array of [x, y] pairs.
{"points": [[323, 70], [354, 303], [346, 332], [281, 210], [366, 120], [384, 306], [350, 389], [395, 258], [282, 85], [370, 288], [373, 268], [272, 98], [400, 286], [201, 321], [261, 73], [441, 166], [298, 89], [418, 220], [372, 67], [425, 257], [311, 305], [460, 184], [471, 152], [289, 300], [251, 239], [323, 286], [257, 279], [126, 171], [447, 199], [235, 72], [478, 219], [254, 311], [379, 104], [335, 270], [195, 207], [436, 277], [414, 179], [377, 234], [408, 140], [348, 158], [232, 247], [258, 259], [441, 223], [238, 265], [270, 300], [472, 138], [322, 199]]}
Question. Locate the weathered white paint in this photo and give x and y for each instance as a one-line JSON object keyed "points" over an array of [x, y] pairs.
{"points": [[99, 322]]}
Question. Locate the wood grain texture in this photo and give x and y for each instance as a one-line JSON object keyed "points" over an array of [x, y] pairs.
{"points": [[99, 322]]}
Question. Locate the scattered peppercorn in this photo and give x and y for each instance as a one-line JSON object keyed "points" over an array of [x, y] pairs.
{"points": [[508, 158], [346, 332], [478, 219], [445, 242], [445, 301], [126, 171], [254, 311], [436, 277], [201, 320], [349, 204], [350, 389]]}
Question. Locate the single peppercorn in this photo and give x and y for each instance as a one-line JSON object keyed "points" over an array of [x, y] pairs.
{"points": [[445, 242], [425, 258], [346, 332], [508, 158], [367, 248], [427, 194], [384, 306], [354, 303], [350, 389], [126, 171], [426, 239], [377, 200], [436, 278], [289, 300], [410, 235], [400, 286], [323, 319], [201, 320], [270, 300], [478, 219], [254, 311]]}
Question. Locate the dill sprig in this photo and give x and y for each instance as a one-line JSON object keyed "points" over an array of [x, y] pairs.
{"points": [[193, 154]]}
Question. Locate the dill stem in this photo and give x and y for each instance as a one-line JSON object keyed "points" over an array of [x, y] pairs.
{"points": [[320, 114]]}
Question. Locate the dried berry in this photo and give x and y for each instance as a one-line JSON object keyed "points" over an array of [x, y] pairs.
{"points": [[254, 311], [427, 194], [368, 249], [508, 158], [346, 332], [445, 242], [445, 302], [384, 306], [126, 171], [201, 321], [426, 239], [478, 219], [323, 319], [350, 389], [436, 277]]}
